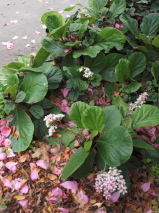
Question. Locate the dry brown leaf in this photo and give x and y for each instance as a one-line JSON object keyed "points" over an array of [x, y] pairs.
{"points": [[52, 177], [19, 197], [58, 149], [42, 152], [23, 158]]}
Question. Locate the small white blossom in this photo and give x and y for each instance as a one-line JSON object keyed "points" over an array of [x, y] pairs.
{"points": [[51, 118], [108, 182], [52, 129], [87, 72]]}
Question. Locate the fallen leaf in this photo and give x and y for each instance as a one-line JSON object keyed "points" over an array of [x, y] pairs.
{"points": [[19, 197], [42, 152]]}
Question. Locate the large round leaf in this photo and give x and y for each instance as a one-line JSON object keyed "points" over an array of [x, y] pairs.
{"points": [[113, 117], [76, 113], [115, 146], [35, 85], [146, 115], [24, 128], [93, 119]]}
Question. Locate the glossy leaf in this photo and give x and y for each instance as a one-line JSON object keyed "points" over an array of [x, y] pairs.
{"points": [[132, 87], [113, 117], [76, 113], [115, 146], [20, 97], [54, 21], [122, 70], [140, 143], [39, 128], [97, 5], [154, 71], [45, 15], [25, 128], [117, 7], [155, 41], [35, 86], [15, 65], [37, 111], [150, 24], [137, 63], [86, 167], [111, 61], [93, 118], [40, 57], [76, 160], [91, 51]]}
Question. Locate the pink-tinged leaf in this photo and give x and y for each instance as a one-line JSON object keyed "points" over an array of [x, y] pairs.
{"points": [[65, 92], [2, 156], [5, 131], [6, 182], [33, 41], [61, 11], [41, 164], [63, 164], [57, 171], [37, 32], [146, 186], [34, 174], [67, 50], [115, 196], [3, 122], [16, 183], [4, 43], [23, 203], [32, 166], [72, 185], [117, 26], [63, 210], [56, 192], [70, 123], [11, 166], [1, 164], [15, 37], [28, 45], [50, 8], [101, 212], [150, 211], [10, 153], [24, 189], [153, 193], [25, 37], [82, 198], [7, 142], [10, 46]]}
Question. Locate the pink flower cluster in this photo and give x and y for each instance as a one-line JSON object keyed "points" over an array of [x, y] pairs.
{"points": [[109, 182], [140, 100]]}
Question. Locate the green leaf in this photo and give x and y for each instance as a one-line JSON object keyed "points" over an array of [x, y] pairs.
{"points": [[54, 21], [97, 6], [53, 46], [150, 24], [101, 165], [25, 128], [12, 85], [124, 107], [146, 115], [66, 136], [110, 37], [85, 168], [40, 57], [35, 86], [9, 106], [108, 72], [3, 75], [91, 51], [24, 59], [46, 103], [39, 128], [122, 70], [76, 112], [132, 87], [15, 65], [96, 64], [37, 111], [140, 143], [130, 23], [20, 97], [115, 146], [154, 71], [45, 15], [137, 63], [113, 117], [109, 90], [145, 39], [155, 41], [87, 145], [96, 81], [54, 77], [76, 160], [117, 7], [93, 118], [74, 95]]}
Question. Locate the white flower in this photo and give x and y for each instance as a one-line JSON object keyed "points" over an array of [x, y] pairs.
{"points": [[52, 129], [140, 100], [87, 72]]}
